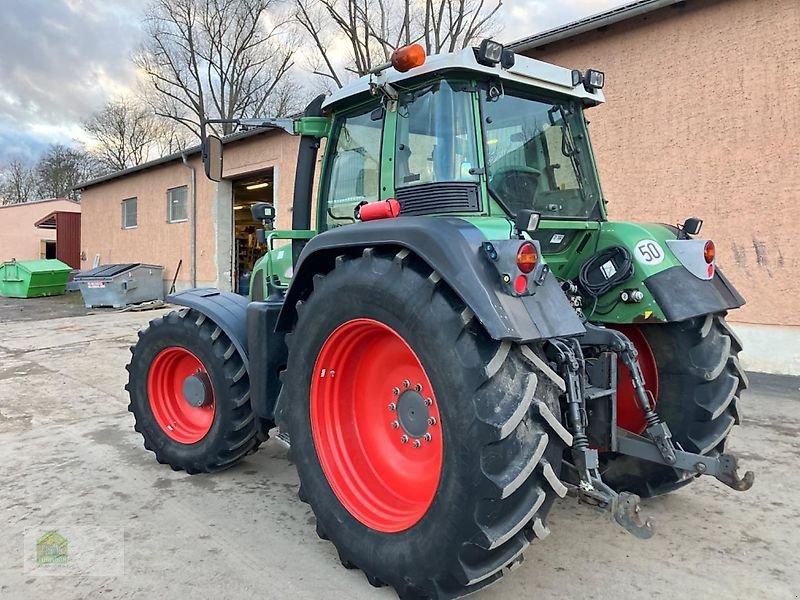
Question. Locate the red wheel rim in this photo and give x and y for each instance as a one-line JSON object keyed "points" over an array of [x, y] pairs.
{"points": [[629, 414], [370, 401], [180, 420]]}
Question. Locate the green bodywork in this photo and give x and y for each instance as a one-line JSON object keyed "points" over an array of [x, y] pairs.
{"points": [[566, 242]]}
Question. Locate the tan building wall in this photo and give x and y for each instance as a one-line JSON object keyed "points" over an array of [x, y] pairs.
{"points": [[702, 119], [19, 238], [157, 241]]}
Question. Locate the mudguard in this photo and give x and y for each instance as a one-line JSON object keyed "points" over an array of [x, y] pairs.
{"points": [[681, 295], [226, 309], [451, 247]]}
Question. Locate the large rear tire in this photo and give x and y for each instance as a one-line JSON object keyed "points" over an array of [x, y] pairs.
{"points": [[699, 386], [190, 394], [381, 342]]}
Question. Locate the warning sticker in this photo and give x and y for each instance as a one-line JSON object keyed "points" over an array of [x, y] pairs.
{"points": [[96, 284], [557, 238]]}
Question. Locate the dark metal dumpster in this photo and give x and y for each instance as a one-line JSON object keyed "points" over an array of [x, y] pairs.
{"points": [[119, 285]]}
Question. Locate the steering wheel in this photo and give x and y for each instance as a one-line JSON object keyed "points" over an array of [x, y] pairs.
{"points": [[516, 186]]}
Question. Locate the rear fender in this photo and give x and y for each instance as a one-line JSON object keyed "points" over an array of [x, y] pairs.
{"points": [[451, 247]]}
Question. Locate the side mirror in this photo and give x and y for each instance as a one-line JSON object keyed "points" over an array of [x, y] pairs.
{"points": [[212, 157], [263, 211]]}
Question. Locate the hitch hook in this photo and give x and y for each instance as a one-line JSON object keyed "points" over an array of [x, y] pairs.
{"points": [[729, 475], [627, 512]]}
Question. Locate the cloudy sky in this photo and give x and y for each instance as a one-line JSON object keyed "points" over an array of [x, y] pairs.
{"points": [[60, 60]]}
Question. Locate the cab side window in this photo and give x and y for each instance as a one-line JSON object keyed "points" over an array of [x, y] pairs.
{"points": [[354, 167]]}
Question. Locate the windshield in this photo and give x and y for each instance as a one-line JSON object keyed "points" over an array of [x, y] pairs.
{"points": [[537, 156]]}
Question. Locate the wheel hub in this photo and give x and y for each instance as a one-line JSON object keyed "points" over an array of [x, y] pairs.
{"points": [[413, 413], [197, 390]]}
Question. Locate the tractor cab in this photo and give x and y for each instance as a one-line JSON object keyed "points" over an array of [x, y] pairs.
{"points": [[463, 134], [462, 144]]}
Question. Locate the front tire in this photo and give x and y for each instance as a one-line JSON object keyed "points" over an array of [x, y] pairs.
{"points": [[699, 386], [201, 426], [444, 517]]}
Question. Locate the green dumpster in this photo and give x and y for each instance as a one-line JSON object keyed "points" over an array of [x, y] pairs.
{"points": [[33, 278]]}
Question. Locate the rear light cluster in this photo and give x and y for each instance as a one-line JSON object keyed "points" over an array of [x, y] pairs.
{"points": [[516, 263], [527, 257], [709, 252]]}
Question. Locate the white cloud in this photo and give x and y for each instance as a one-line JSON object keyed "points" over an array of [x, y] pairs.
{"points": [[60, 60]]}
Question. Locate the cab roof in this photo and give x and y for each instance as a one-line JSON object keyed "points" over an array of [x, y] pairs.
{"points": [[525, 71]]}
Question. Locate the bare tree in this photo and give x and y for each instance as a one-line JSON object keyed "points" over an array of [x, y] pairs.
{"points": [[17, 182], [374, 28], [213, 59], [60, 169], [124, 131], [127, 133]]}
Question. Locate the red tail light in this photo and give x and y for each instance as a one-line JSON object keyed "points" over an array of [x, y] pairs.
{"points": [[709, 252], [527, 257], [521, 284]]}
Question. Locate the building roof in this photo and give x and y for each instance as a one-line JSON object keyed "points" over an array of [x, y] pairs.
{"points": [[603, 19], [50, 221], [234, 137], [36, 202]]}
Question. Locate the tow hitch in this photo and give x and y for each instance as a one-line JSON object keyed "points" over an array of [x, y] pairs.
{"points": [[597, 389], [724, 467]]}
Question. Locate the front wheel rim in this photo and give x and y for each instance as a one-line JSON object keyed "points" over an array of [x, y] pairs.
{"points": [[376, 425], [178, 419]]}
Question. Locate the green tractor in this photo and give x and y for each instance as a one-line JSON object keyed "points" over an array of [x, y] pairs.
{"points": [[461, 337]]}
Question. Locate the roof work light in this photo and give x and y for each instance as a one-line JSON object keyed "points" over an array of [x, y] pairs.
{"points": [[491, 53], [592, 80]]}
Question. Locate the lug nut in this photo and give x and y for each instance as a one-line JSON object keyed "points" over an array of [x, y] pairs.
{"points": [[431, 421], [428, 401], [404, 439], [395, 424], [392, 406], [406, 383], [417, 444], [396, 391], [418, 387], [427, 437]]}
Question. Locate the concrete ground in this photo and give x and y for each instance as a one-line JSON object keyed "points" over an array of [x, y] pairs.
{"points": [[69, 458]]}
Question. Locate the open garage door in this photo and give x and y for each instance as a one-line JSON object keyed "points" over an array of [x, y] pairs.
{"points": [[249, 190]]}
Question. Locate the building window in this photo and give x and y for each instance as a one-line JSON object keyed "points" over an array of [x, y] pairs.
{"points": [[129, 214], [176, 205]]}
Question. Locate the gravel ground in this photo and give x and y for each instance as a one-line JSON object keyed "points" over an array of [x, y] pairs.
{"points": [[71, 462]]}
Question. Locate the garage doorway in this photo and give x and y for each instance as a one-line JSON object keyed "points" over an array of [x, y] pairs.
{"points": [[247, 191], [48, 249]]}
